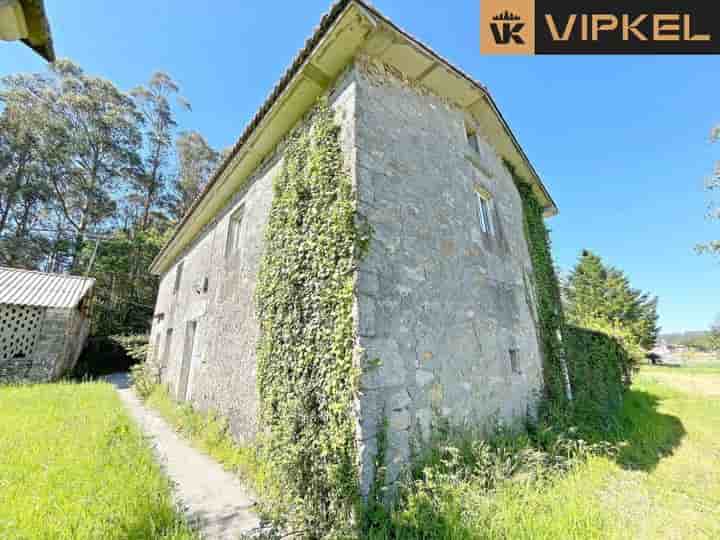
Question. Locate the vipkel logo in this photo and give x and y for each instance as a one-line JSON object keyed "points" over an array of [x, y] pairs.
{"points": [[506, 28], [603, 27]]}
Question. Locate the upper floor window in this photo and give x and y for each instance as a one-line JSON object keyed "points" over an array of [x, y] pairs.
{"points": [[472, 138], [484, 203], [233, 235], [515, 361], [178, 276]]}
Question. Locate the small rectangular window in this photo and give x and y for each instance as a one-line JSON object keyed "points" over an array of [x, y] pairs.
{"points": [[178, 276], [472, 139], [233, 235], [515, 361], [166, 350], [484, 211]]}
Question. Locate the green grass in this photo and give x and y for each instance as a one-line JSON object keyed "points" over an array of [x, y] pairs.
{"points": [[662, 482], [73, 466]]}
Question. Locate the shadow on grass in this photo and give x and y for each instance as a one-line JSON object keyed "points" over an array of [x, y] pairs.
{"points": [[645, 435]]}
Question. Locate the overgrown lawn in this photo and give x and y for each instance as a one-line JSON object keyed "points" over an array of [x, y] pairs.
{"points": [[73, 466], [655, 474], [663, 480]]}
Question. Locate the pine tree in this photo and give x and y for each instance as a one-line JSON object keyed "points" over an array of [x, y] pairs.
{"points": [[597, 294]]}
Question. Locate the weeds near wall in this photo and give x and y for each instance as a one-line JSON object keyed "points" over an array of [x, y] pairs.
{"points": [[307, 377]]}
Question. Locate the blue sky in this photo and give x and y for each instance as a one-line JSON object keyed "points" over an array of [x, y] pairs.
{"points": [[622, 142]]}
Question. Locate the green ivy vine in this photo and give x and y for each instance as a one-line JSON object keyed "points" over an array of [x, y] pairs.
{"points": [[596, 365], [307, 377], [547, 289]]}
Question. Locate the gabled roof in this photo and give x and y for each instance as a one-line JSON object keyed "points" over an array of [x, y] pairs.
{"points": [[40, 289], [349, 28]]}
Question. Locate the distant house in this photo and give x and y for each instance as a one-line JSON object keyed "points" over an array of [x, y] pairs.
{"points": [[444, 296], [43, 323], [26, 20]]}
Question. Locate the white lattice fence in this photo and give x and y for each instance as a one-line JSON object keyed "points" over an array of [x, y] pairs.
{"points": [[19, 328]]}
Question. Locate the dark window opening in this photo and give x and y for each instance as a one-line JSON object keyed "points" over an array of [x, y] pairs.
{"points": [[472, 140], [233, 236], [178, 276], [515, 361]]}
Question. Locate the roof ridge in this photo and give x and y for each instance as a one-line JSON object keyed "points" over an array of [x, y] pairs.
{"points": [[53, 274]]}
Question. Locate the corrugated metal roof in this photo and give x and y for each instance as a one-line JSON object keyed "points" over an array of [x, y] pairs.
{"points": [[30, 288]]}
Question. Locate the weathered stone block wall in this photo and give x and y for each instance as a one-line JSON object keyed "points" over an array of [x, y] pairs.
{"points": [[51, 349], [77, 329], [440, 302], [223, 367]]}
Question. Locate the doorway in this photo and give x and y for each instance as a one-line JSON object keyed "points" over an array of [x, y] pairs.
{"points": [[190, 330]]}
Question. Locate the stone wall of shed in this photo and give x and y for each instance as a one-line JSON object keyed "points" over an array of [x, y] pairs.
{"points": [[77, 329], [440, 303], [223, 366], [50, 355], [58, 340]]}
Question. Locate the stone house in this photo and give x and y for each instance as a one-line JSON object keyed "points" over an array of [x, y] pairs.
{"points": [[44, 323], [444, 296]]}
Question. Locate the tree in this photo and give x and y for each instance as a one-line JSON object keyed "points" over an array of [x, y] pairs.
{"points": [[23, 189], [85, 139], [197, 161], [715, 336], [124, 292], [81, 159], [151, 177], [713, 185], [597, 294]]}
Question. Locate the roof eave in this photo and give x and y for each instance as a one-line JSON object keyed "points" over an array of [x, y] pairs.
{"points": [[309, 75], [39, 35]]}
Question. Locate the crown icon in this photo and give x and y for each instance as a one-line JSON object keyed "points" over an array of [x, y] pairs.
{"points": [[506, 16]]}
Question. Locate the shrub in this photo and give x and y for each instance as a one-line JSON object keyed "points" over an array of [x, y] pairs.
{"points": [[144, 379], [600, 370], [136, 346]]}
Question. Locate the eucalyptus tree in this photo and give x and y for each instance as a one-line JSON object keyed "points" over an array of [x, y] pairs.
{"points": [[197, 161], [24, 190], [150, 182], [87, 141]]}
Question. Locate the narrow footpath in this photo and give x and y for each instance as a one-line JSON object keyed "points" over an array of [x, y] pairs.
{"points": [[214, 499]]}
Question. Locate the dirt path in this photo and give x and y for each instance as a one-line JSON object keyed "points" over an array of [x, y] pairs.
{"points": [[214, 499]]}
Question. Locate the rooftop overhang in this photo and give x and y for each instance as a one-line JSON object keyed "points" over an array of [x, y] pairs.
{"points": [[27, 21], [350, 28]]}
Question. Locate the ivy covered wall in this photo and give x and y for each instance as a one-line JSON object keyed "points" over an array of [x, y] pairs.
{"points": [[585, 372], [307, 378]]}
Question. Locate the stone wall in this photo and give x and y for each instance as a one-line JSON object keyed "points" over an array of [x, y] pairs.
{"points": [[441, 304], [222, 372], [55, 344], [77, 329], [445, 307]]}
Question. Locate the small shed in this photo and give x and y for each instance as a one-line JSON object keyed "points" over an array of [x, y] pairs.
{"points": [[44, 322]]}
